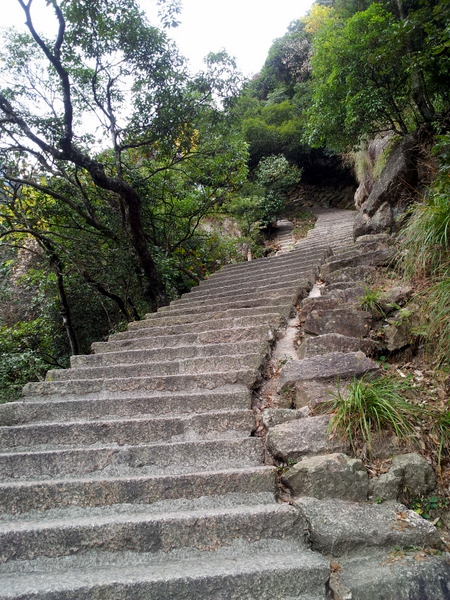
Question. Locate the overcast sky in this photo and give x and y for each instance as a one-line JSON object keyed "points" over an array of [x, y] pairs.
{"points": [[245, 28]]}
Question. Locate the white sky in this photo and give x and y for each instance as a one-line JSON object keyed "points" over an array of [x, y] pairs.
{"points": [[245, 28]]}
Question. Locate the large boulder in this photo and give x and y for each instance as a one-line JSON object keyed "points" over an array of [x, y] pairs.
{"points": [[303, 437], [391, 193], [409, 473], [332, 366], [328, 476]]}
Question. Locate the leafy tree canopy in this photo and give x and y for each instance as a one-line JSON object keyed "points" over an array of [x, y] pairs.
{"points": [[107, 128], [381, 66]]}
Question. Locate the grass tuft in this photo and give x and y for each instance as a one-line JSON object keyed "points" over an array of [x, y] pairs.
{"points": [[369, 406]]}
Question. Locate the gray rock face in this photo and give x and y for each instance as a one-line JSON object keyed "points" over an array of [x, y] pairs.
{"points": [[390, 193], [329, 476], [352, 323], [335, 342], [310, 392], [372, 254], [338, 527], [277, 416], [408, 472], [303, 437], [413, 576], [361, 273], [327, 366]]}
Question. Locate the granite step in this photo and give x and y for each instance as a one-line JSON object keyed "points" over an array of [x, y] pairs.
{"points": [[161, 354], [267, 290], [195, 427], [211, 321], [144, 531], [131, 386], [262, 570], [61, 496], [201, 364], [35, 410], [133, 460], [257, 334]]}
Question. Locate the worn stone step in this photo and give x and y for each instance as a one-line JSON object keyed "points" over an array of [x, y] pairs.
{"points": [[147, 532], [330, 366], [275, 282], [335, 342], [262, 570], [346, 321], [297, 270], [358, 258], [220, 424], [202, 364], [168, 354], [314, 250], [288, 286], [246, 276], [342, 528], [64, 494], [139, 385], [150, 405], [403, 574], [281, 300], [255, 334], [212, 321], [150, 459]]}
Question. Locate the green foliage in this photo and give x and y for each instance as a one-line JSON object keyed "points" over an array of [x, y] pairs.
{"points": [[426, 506], [370, 301], [276, 176], [376, 70], [23, 350], [425, 243], [369, 406]]}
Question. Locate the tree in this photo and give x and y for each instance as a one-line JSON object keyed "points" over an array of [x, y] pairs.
{"points": [[101, 115], [376, 71]]}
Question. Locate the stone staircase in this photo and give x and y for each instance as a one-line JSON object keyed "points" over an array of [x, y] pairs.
{"points": [[134, 474]]}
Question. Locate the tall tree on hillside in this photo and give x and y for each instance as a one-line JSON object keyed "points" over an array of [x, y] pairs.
{"points": [[102, 111]]}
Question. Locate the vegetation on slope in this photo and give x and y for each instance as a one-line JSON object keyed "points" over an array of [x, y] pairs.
{"points": [[117, 168]]}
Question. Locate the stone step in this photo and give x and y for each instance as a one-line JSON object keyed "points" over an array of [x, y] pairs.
{"points": [[150, 405], [145, 531], [328, 366], [282, 299], [214, 311], [246, 276], [212, 425], [212, 321], [120, 461], [296, 268], [189, 366], [63, 494], [266, 289], [315, 250], [262, 570], [403, 574], [168, 354], [256, 334], [132, 386], [346, 321], [343, 528]]}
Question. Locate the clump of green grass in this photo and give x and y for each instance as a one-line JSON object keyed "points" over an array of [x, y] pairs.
{"points": [[440, 433], [371, 301], [425, 243], [368, 406]]}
